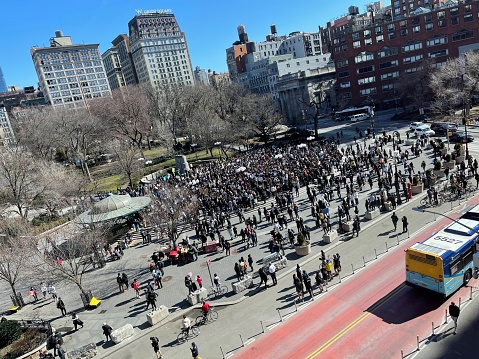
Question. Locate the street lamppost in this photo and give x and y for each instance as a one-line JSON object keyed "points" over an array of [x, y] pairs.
{"points": [[446, 216]]}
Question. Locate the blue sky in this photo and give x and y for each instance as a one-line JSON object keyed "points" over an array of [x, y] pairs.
{"points": [[210, 25]]}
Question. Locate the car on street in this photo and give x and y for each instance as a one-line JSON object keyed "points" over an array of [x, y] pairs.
{"points": [[424, 132], [460, 137], [443, 128], [414, 125], [359, 117]]}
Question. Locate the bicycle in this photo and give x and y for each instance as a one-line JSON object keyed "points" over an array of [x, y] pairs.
{"points": [[211, 316], [425, 202], [183, 336], [217, 290]]}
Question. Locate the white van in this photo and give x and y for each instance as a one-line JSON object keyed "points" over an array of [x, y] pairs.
{"points": [[359, 117]]}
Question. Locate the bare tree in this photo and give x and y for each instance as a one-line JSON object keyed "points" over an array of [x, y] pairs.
{"points": [[263, 115], [28, 182], [15, 252], [415, 88], [126, 158], [173, 210]]}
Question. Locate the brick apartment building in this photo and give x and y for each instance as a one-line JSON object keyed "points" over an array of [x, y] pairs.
{"points": [[370, 57]]}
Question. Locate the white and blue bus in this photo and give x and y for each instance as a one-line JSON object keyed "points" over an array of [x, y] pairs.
{"points": [[444, 262]]}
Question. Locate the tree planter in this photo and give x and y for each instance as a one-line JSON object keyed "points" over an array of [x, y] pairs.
{"points": [[449, 165], [438, 173], [303, 250], [417, 189], [35, 353]]}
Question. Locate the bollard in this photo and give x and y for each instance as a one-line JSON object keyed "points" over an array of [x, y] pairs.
{"points": [[242, 342], [280, 317], [417, 339], [222, 353], [459, 302], [387, 249], [262, 327], [352, 267], [339, 276], [470, 293], [397, 238], [364, 262], [296, 305], [445, 316], [375, 254], [432, 328], [408, 233]]}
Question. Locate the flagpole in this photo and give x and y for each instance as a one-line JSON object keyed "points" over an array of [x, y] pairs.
{"points": [[208, 265]]}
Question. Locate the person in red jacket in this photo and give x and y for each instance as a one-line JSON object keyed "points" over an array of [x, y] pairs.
{"points": [[136, 286], [199, 280], [205, 308]]}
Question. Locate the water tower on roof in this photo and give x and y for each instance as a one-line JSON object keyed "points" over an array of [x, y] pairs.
{"points": [[243, 36]]}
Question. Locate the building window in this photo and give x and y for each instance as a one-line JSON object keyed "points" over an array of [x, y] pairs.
{"points": [[412, 46], [437, 40], [367, 33], [416, 29], [355, 36], [390, 75], [368, 41], [468, 8], [408, 60], [439, 53], [388, 64], [379, 38], [368, 91], [441, 14], [403, 24], [365, 69], [403, 32], [462, 35], [344, 48], [468, 18], [367, 80], [344, 85], [412, 70], [378, 30], [346, 95], [391, 27], [388, 87], [391, 35], [455, 20], [453, 11], [343, 74], [428, 18], [342, 63], [429, 26], [397, 11], [364, 56], [415, 20], [441, 23], [387, 51], [356, 44]]}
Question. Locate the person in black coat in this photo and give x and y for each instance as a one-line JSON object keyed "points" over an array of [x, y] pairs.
{"points": [[264, 278], [107, 331], [61, 306]]}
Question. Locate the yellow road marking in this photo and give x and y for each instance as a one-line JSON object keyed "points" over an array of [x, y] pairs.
{"points": [[355, 322]]}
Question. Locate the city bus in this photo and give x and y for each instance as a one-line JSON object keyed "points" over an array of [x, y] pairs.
{"points": [[364, 112], [444, 262]]}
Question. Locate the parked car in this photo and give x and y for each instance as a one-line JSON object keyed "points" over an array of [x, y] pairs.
{"points": [[443, 128], [414, 125], [424, 132], [460, 137]]}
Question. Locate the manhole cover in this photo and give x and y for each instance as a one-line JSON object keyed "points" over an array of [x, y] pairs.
{"points": [[143, 256], [204, 264], [166, 278], [103, 311]]}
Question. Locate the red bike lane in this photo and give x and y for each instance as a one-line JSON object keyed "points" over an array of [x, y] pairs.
{"points": [[370, 315]]}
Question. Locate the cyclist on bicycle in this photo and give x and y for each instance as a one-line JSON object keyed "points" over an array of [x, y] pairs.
{"points": [[185, 324], [216, 281], [205, 308]]}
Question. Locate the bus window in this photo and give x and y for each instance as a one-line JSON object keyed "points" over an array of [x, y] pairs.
{"points": [[455, 266], [467, 257]]}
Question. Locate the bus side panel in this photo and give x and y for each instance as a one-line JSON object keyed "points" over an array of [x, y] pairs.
{"points": [[424, 281], [457, 280]]}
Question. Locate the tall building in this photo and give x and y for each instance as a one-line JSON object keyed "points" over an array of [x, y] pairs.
{"points": [[6, 132], [3, 84], [370, 59], [68, 74], [122, 46], [159, 49], [201, 76], [114, 74]]}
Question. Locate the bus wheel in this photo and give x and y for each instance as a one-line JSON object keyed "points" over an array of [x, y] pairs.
{"points": [[467, 277]]}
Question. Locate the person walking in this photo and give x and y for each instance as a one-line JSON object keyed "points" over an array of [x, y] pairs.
{"points": [[155, 343], [199, 280], [119, 280], [298, 284], [61, 306], [454, 312], [136, 286], [107, 331], [395, 220], [125, 280], [76, 321], [272, 272], [151, 299], [307, 284], [250, 261], [44, 290], [404, 224], [189, 284], [194, 351], [263, 277], [53, 292]]}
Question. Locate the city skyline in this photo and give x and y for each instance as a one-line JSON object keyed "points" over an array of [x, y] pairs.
{"points": [[210, 27]]}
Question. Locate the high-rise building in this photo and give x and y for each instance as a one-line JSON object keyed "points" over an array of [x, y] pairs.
{"points": [[6, 132], [122, 46], [68, 74], [201, 76], [111, 61], [159, 49], [3, 84]]}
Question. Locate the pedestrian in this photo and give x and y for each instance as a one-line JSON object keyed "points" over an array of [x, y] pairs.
{"points": [[61, 306], [298, 284], [61, 352], [250, 261], [125, 280], [151, 299], [319, 281], [107, 331], [53, 292], [227, 248], [189, 284], [395, 220], [199, 280], [263, 277], [136, 286], [194, 351], [404, 224], [155, 343], [44, 290], [76, 321], [121, 285], [454, 312], [307, 284], [272, 272], [237, 271]]}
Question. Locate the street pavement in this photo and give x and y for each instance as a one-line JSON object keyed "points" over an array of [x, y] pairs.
{"points": [[118, 309]]}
